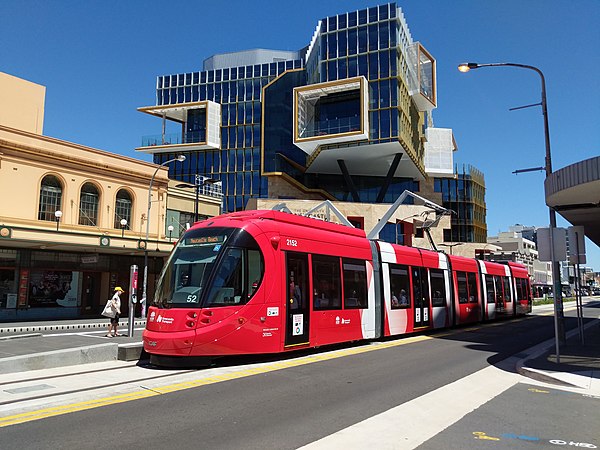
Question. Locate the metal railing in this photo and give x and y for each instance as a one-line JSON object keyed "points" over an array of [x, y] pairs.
{"points": [[327, 127], [190, 137]]}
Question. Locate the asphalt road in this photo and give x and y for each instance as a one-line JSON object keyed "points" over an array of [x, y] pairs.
{"points": [[292, 407]]}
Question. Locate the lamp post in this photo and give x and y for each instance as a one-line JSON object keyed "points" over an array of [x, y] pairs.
{"points": [[123, 226], [199, 181], [170, 228], [145, 284], [58, 214], [559, 330]]}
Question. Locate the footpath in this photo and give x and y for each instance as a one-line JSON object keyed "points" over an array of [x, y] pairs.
{"points": [[45, 345], [28, 346]]}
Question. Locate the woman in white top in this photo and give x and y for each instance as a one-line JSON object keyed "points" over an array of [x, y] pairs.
{"points": [[116, 306]]}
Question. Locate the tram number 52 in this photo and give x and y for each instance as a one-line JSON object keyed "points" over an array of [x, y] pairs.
{"points": [[191, 298], [292, 242]]}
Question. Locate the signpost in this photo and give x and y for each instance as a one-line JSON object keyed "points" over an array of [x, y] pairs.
{"points": [[576, 257], [133, 285], [552, 247]]}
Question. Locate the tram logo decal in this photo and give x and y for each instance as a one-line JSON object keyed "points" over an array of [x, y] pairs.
{"points": [[165, 320], [268, 332], [152, 316], [340, 320]]}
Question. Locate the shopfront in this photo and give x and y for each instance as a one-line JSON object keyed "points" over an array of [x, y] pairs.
{"points": [[47, 285]]}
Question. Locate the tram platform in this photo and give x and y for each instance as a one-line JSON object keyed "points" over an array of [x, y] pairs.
{"points": [[28, 346], [42, 345]]}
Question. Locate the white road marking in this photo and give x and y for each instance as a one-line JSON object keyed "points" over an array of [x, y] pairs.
{"points": [[409, 425]]}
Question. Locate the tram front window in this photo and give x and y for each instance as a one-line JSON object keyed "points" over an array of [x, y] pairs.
{"points": [[211, 267], [187, 272]]}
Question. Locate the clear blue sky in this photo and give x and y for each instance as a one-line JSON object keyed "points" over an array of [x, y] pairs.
{"points": [[99, 61]]}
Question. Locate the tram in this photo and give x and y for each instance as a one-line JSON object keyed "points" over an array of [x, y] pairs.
{"points": [[264, 281]]}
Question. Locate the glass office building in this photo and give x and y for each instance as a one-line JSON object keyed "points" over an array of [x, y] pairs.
{"points": [[343, 118], [464, 193]]}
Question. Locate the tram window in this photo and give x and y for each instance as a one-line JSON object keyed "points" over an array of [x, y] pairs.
{"points": [[489, 289], [255, 271], [472, 281], [463, 292], [521, 289], [400, 286], [355, 283], [326, 282], [499, 293], [228, 281], [187, 274], [506, 284], [297, 279], [438, 287]]}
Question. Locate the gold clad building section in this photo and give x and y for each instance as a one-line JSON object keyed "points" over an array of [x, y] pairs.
{"points": [[346, 101]]}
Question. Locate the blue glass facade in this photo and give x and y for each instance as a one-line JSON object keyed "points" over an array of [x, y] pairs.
{"points": [[464, 194], [257, 111]]}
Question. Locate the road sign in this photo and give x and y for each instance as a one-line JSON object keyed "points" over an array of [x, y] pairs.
{"points": [[560, 244]]}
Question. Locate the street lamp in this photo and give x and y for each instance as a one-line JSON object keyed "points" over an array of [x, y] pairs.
{"points": [[559, 330], [58, 215], [199, 181], [170, 228], [123, 226], [180, 158]]}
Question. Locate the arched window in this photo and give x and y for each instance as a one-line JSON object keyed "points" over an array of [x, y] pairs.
{"points": [[50, 198], [88, 205], [123, 206]]}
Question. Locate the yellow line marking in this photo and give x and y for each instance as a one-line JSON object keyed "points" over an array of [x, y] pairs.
{"points": [[96, 403]]}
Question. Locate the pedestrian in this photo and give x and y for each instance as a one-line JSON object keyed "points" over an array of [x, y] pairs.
{"points": [[115, 305]]}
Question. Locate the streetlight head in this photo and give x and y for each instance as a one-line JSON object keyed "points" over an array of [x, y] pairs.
{"points": [[170, 228], [184, 185], [465, 67], [181, 158], [58, 214], [123, 222]]}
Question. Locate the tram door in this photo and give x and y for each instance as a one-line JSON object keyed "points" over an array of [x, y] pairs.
{"points": [[297, 299], [421, 296]]}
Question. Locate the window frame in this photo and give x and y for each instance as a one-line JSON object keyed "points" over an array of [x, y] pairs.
{"points": [[437, 273], [395, 280], [49, 201], [355, 284], [120, 212], [88, 210], [319, 264]]}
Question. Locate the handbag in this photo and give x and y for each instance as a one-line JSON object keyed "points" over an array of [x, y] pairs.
{"points": [[108, 310]]}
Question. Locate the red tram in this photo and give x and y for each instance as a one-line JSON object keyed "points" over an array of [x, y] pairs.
{"points": [[267, 281]]}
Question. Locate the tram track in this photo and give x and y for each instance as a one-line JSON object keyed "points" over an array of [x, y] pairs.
{"points": [[129, 378], [95, 387]]}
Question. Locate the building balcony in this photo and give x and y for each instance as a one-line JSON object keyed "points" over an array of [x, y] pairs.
{"points": [[200, 128], [331, 113], [422, 85]]}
